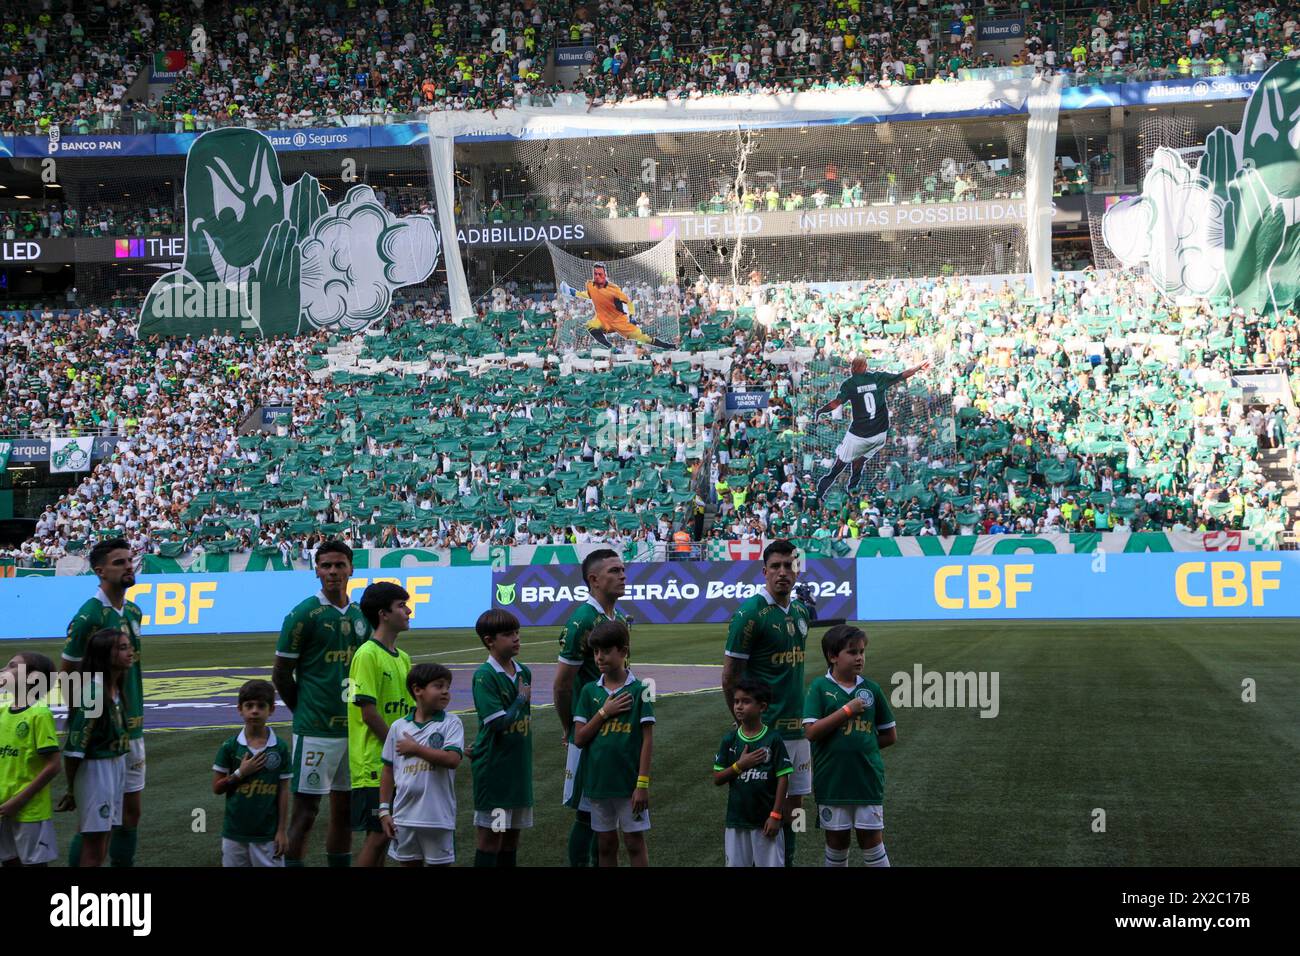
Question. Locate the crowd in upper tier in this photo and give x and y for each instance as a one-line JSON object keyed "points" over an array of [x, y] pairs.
{"points": [[85, 67]]}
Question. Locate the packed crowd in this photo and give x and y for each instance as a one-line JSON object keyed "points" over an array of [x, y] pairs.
{"points": [[316, 61], [55, 221], [1106, 410]]}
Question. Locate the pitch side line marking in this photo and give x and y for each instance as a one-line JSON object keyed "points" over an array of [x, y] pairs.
{"points": [[288, 723]]}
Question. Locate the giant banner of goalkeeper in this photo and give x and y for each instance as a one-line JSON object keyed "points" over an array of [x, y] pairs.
{"points": [[1226, 228]]}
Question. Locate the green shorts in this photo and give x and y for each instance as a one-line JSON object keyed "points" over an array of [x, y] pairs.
{"points": [[365, 810]]}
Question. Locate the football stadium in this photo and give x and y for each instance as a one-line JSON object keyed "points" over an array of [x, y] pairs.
{"points": [[704, 433]]}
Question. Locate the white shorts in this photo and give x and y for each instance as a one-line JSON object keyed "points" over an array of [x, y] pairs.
{"points": [[234, 853], [28, 843], [434, 847], [572, 757], [616, 814], [135, 767], [518, 818], [800, 752], [852, 447], [98, 791], [320, 765], [752, 848], [863, 816]]}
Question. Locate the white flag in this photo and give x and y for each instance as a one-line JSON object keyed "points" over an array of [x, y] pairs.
{"points": [[70, 454]]}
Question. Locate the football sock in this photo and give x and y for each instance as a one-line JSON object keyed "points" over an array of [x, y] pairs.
{"points": [[508, 858], [837, 857], [581, 842], [289, 862], [875, 856], [599, 336], [856, 474], [338, 859], [121, 846], [484, 858], [788, 832], [824, 485], [74, 851]]}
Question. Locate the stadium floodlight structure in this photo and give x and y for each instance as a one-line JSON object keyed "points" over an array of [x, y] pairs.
{"points": [[816, 187]]}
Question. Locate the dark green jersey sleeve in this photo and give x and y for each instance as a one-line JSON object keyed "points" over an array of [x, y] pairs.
{"points": [[722, 759], [586, 703], [573, 639], [292, 634], [82, 625], [814, 702], [224, 761], [780, 755], [743, 627], [487, 696]]}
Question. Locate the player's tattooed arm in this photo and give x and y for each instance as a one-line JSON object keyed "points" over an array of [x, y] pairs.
{"points": [[733, 669], [286, 685], [562, 693]]}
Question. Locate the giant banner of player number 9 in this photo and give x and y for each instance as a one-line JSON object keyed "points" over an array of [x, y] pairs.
{"points": [[233, 603]]}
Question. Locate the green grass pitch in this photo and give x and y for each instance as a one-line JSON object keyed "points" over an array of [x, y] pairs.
{"points": [[1144, 720]]}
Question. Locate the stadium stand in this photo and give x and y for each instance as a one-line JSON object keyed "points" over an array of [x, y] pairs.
{"points": [[443, 435], [352, 61]]}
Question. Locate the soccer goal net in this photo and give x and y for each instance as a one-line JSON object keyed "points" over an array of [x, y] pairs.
{"points": [[817, 188]]}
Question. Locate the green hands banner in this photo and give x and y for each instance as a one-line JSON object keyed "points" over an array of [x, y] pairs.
{"points": [[1222, 229], [265, 258]]}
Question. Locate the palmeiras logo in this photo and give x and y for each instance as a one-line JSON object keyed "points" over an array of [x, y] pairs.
{"points": [[866, 697], [22, 730], [505, 594], [70, 457], [272, 760], [103, 811], [827, 813], [436, 740], [313, 778]]}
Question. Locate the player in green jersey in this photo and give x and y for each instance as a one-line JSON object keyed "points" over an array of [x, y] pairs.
{"points": [[502, 756], [606, 579], [114, 566], [753, 760], [379, 697], [865, 394], [29, 761], [848, 719], [252, 771], [95, 751], [312, 658], [614, 725], [766, 642]]}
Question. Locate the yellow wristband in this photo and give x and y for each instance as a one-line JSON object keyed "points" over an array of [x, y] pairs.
{"points": [[735, 767], [643, 783]]}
